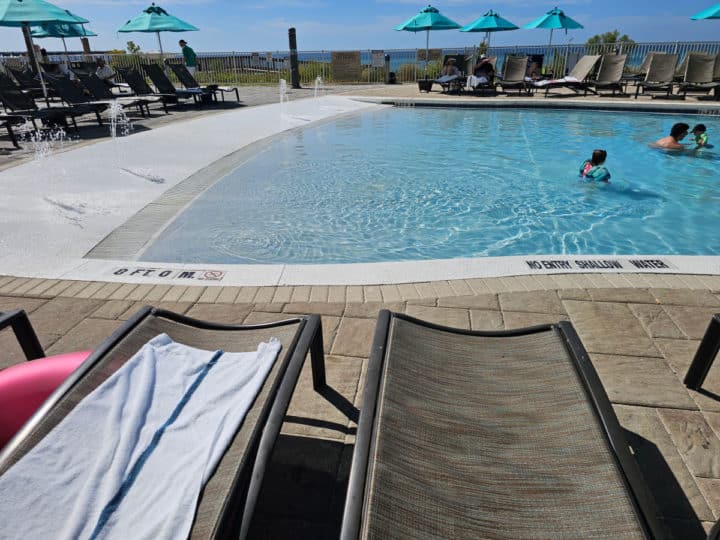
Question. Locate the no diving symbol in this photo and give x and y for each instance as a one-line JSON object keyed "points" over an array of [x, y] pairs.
{"points": [[215, 275]]}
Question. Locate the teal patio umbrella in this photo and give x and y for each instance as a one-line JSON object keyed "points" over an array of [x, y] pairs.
{"points": [[709, 13], [554, 19], [62, 31], [156, 19], [26, 13], [490, 22], [428, 19]]}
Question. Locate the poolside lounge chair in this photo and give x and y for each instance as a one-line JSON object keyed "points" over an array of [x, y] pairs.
{"points": [[575, 80], [71, 94], [513, 75], [188, 81], [454, 83], [165, 86], [659, 77], [609, 76], [466, 434], [8, 121], [21, 104], [228, 499], [137, 83], [698, 75], [705, 355], [102, 92]]}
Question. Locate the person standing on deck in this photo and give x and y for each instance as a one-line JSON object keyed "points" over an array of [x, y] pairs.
{"points": [[188, 57]]}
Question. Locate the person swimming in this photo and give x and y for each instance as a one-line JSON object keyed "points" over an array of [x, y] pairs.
{"points": [[672, 142], [701, 138], [594, 169]]}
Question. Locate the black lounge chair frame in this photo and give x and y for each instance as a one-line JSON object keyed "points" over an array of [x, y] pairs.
{"points": [[188, 81], [705, 355], [165, 85], [609, 76], [359, 490], [660, 75], [22, 105], [73, 96], [25, 334], [140, 87], [233, 518], [102, 92], [513, 76]]}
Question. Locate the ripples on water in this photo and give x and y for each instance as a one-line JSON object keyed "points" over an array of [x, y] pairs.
{"points": [[401, 184]]}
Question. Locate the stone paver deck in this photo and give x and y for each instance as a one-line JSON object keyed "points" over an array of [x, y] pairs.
{"points": [[641, 334]]}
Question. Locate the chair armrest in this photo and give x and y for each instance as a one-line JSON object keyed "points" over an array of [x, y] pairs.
{"points": [[24, 332]]}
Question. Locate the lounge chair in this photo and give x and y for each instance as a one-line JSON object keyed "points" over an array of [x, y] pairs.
{"points": [[466, 434], [705, 355], [660, 74], [513, 76], [71, 94], [454, 83], [8, 121], [574, 80], [609, 76], [137, 84], [228, 498], [188, 81], [21, 104], [102, 92], [698, 75], [480, 86], [165, 86]]}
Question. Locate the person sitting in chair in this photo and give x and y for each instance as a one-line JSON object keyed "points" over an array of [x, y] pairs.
{"points": [[449, 71], [104, 72], [483, 72]]}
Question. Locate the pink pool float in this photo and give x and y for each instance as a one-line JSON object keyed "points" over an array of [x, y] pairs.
{"points": [[24, 387]]}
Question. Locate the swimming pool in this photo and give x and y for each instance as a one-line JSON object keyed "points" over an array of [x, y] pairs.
{"points": [[413, 184]]}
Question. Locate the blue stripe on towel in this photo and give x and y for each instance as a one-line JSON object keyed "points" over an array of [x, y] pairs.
{"points": [[115, 501]]}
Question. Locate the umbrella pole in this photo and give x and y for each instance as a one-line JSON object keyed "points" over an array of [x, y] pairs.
{"points": [[67, 62], [162, 56], [549, 49], [427, 51], [34, 60]]}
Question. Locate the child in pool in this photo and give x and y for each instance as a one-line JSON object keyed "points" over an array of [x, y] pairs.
{"points": [[701, 138], [593, 168]]}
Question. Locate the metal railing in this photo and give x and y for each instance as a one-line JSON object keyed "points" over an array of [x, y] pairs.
{"points": [[408, 65]]}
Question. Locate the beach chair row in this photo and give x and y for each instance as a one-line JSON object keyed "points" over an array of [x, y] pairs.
{"points": [[462, 434], [659, 76]]}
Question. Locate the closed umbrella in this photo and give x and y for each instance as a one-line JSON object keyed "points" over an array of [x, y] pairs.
{"points": [[490, 22], [27, 13], [428, 19], [156, 19], [709, 13], [62, 31]]}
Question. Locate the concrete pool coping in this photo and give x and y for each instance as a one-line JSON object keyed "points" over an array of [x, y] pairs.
{"points": [[56, 223]]}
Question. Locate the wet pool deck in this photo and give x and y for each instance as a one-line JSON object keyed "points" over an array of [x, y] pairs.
{"points": [[641, 331]]}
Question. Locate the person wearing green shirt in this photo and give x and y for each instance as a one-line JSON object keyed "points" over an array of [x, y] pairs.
{"points": [[188, 56]]}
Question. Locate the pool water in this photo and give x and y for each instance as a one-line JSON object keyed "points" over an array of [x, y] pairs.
{"points": [[409, 184]]}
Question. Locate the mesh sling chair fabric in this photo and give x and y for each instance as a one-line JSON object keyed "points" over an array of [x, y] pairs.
{"points": [[71, 94], [698, 76], [21, 104], [469, 435], [456, 84], [660, 75], [188, 81], [102, 92], [575, 80], [609, 75], [165, 86], [140, 87], [514, 74], [228, 499]]}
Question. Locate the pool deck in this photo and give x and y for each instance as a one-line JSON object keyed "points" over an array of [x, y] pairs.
{"points": [[641, 329]]}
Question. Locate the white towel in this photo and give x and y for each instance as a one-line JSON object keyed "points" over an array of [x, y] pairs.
{"points": [[131, 459]]}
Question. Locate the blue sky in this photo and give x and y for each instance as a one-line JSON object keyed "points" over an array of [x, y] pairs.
{"points": [[261, 25]]}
